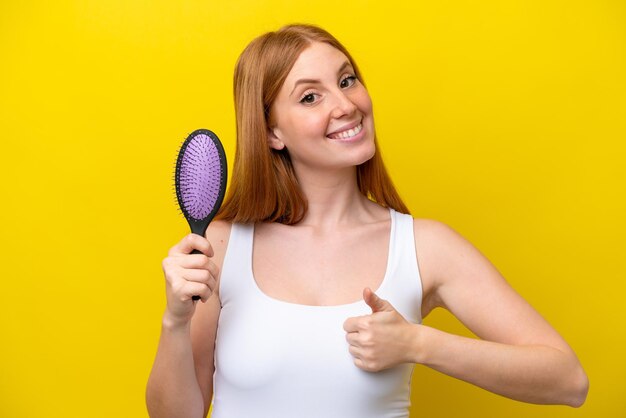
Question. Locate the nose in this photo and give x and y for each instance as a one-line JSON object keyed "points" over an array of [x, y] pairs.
{"points": [[342, 105]]}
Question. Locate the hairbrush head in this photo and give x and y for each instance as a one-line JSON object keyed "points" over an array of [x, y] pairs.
{"points": [[200, 178]]}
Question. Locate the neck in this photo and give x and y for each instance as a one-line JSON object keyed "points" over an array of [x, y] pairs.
{"points": [[333, 199]]}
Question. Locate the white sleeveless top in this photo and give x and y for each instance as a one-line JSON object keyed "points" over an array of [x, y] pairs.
{"points": [[276, 359]]}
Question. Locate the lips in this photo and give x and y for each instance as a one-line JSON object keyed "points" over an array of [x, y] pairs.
{"points": [[347, 132]]}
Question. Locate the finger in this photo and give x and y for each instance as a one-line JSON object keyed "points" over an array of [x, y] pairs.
{"points": [[357, 323], [198, 275], [191, 289], [193, 242], [359, 363], [213, 268], [196, 261], [351, 324], [355, 352], [373, 301], [192, 261], [353, 339]]}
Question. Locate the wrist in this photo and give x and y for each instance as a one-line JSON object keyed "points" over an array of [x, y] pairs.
{"points": [[172, 323], [421, 343]]}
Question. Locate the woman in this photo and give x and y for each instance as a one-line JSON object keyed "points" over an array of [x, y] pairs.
{"points": [[288, 324]]}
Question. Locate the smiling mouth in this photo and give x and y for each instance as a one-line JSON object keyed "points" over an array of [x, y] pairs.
{"points": [[348, 133]]}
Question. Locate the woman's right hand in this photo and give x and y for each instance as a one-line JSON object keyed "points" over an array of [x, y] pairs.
{"points": [[188, 275]]}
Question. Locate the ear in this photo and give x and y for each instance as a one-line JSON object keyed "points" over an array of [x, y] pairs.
{"points": [[273, 139]]}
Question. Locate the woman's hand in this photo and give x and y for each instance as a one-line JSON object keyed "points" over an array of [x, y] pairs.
{"points": [[381, 340], [188, 275]]}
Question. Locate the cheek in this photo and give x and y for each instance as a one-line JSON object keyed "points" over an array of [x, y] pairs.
{"points": [[364, 102], [301, 128], [310, 124]]}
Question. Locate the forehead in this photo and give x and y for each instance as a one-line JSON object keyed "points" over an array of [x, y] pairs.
{"points": [[316, 60]]}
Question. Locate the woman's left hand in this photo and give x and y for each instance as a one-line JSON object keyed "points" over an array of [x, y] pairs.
{"points": [[382, 339]]}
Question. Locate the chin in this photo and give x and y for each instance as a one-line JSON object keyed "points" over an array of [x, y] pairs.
{"points": [[367, 154]]}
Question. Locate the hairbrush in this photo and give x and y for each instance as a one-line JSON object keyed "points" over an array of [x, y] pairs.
{"points": [[200, 180]]}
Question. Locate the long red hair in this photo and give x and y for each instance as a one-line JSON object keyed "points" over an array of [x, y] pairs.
{"points": [[264, 186]]}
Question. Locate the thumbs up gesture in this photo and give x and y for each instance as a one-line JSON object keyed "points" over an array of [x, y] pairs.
{"points": [[382, 339]]}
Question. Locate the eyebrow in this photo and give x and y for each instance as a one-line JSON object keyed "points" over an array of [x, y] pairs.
{"points": [[315, 81]]}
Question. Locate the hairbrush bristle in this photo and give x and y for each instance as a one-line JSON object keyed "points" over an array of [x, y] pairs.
{"points": [[200, 175]]}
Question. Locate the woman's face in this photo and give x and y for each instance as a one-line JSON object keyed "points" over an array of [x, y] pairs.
{"points": [[323, 114]]}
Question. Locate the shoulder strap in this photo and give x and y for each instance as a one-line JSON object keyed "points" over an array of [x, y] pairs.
{"points": [[405, 287], [236, 274]]}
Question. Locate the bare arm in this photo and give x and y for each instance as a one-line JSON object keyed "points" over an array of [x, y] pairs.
{"points": [[181, 381], [519, 355]]}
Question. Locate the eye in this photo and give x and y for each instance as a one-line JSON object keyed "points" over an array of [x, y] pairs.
{"points": [[308, 98], [347, 81]]}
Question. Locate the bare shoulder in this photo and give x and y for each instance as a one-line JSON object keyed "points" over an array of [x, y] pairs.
{"points": [[435, 232], [441, 242], [436, 243], [443, 254], [218, 234], [433, 240]]}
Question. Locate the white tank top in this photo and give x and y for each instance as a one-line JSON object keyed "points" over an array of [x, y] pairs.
{"points": [[276, 359]]}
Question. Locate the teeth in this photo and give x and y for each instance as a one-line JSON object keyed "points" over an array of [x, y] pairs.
{"points": [[347, 133]]}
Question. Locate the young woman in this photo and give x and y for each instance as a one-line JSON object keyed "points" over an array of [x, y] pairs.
{"points": [[315, 280]]}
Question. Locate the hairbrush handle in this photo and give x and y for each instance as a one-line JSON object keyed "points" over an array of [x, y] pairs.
{"points": [[195, 297], [198, 227]]}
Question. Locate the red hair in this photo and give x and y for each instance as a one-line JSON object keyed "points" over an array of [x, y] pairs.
{"points": [[264, 186]]}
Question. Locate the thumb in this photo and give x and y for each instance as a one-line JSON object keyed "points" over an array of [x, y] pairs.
{"points": [[377, 304]]}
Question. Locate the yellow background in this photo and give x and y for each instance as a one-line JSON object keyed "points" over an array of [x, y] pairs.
{"points": [[504, 119]]}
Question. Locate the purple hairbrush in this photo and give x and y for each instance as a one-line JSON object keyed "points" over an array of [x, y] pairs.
{"points": [[200, 180]]}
